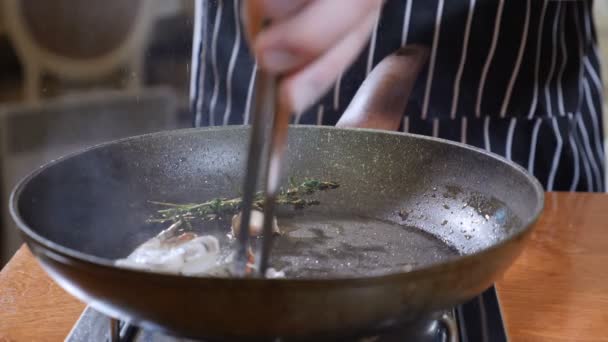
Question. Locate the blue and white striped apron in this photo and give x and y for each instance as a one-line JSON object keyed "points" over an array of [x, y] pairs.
{"points": [[520, 78]]}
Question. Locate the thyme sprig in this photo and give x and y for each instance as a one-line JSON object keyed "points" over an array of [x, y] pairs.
{"points": [[294, 196]]}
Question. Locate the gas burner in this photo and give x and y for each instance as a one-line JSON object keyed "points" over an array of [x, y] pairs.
{"points": [[477, 320]]}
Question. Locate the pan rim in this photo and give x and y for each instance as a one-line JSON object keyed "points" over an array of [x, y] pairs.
{"points": [[65, 252]]}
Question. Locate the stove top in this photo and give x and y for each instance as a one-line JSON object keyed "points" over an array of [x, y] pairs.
{"points": [[477, 320]]}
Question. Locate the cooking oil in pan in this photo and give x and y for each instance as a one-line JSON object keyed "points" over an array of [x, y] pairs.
{"points": [[318, 245]]}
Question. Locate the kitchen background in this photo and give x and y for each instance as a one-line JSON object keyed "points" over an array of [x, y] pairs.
{"points": [[76, 73]]}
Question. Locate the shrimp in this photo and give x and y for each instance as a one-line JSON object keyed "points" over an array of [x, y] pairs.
{"points": [[171, 252]]}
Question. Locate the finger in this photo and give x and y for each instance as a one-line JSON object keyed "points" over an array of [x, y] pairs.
{"points": [[254, 12], [382, 97], [252, 17], [291, 43], [278, 9], [305, 86]]}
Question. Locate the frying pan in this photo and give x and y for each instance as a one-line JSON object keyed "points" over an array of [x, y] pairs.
{"points": [[418, 224], [426, 224]]}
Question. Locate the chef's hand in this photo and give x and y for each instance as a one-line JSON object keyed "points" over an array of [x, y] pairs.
{"points": [[309, 42]]}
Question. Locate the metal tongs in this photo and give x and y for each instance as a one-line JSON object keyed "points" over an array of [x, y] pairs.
{"points": [[270, 121]]}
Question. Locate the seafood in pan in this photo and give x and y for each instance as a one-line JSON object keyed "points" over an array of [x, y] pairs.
{"points": [[180, 249]]}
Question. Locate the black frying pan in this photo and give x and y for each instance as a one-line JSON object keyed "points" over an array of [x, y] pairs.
{"points": [[417, 224]]}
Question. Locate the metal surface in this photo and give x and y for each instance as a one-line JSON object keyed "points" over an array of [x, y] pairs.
{"points": [[91, 328], [267, 110], [450, 326], [265, 165], [257, 161], [276, 150], [472, 212], [466, 319]]}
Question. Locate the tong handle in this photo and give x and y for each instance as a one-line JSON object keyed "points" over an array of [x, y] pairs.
{"points": [[276, 152], [266, 149], [257, 160]]}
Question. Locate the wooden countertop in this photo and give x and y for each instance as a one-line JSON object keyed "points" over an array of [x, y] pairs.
{"points": [[556, 291]]}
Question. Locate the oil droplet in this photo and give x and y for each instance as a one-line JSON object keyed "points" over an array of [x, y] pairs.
{"points": [[468, 237], [434, 188], [465, 205]]}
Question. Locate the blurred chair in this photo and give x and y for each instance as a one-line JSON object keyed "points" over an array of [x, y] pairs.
{"points": [[76, 40], [31, 135]]}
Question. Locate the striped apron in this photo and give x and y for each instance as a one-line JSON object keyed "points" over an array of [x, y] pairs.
{"points": [[520, 78]]}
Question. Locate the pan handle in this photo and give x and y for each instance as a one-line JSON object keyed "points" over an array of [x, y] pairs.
{"points": [[381, 99], [451, 329]]}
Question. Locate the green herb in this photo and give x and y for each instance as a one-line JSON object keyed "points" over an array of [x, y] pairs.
{"points": [[219, 207]]}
